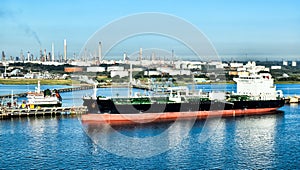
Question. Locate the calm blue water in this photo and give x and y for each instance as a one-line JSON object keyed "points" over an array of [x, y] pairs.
{"points": [[7, 89], [251, 142]]}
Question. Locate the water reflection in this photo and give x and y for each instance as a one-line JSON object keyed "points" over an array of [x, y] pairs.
{"points": [[249, 137], [139, 141], [254, 138], [251, 142]]}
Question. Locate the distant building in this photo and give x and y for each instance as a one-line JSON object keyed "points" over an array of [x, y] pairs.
{"points": [[73, 69], [216, 64], [243, 73], [241, 69], [285, 63], [233, 73], [137, 69], [238, 73], [152, 73], [115, 68], [200, 80], [95, 69], [275, 67], [185, 72], [236, 64], [120, 73], [225, 65], [285, 75], [28, 76], [294, 63]]}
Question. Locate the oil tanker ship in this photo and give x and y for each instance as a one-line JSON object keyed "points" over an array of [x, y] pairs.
{"points": [[256, 94]]}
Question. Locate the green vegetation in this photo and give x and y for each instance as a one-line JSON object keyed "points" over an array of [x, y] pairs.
{"points": [[287, 82], [72, 82], [34, 81], [217, 82]]}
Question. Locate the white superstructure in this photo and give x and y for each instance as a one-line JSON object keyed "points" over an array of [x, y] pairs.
{"points": [[38, 98], [258, 86]]}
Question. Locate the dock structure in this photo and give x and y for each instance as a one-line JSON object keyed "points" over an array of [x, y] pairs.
{"points": [[142, 87], [69, 89], [292, 99], [45, 111]]}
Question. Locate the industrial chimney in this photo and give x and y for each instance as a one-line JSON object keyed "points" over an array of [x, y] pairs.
{"points": [[45, 55], [3, 56], [28, 56], [141, 54], [21, 55], [52, 56], [100, 52], [65, 49], [124, 56]]}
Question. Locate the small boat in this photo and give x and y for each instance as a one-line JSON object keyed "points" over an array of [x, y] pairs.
{"points": [[46, 98]]}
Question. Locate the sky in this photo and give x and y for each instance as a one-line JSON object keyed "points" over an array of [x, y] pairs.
{"points": [[237, 29]]}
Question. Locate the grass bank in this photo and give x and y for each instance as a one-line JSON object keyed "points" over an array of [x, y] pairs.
{"points": [[287, 82], [34, 81]]}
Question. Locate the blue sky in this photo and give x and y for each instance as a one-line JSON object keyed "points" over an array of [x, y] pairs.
{"points": [[256, 28]]}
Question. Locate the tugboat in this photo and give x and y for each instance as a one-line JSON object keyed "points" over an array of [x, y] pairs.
{"points": [[46, 98], [256, 94]]}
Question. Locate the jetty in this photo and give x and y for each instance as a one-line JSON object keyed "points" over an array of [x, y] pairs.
{"points": [[45, 111], [69, 89], [292, 99]]}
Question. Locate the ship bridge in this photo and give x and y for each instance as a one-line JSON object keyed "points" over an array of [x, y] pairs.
{"points": [[259, 86]]}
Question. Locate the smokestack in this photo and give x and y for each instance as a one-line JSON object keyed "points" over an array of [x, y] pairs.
{"points": [[153, 56], [52, 57], [21, 55], [45, 55], [41, 55], [100, 52], [28, 56], [141, 54], [65, 49], [172, 59], [124, 56], [3, 56]]}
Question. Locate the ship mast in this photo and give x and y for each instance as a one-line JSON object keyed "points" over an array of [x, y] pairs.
{"points": [[193, 84], [130, 80], [38, 87], [95, 91], [12, 97]]}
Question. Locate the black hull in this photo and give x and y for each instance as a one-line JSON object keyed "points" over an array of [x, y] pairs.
{"points": [[107, 106]]}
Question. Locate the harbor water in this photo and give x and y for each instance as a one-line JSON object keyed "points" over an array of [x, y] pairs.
{"points": [[62, 142]]}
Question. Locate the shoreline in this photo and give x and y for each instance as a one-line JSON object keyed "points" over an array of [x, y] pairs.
{"points": [[73, 82], [34, 81]]}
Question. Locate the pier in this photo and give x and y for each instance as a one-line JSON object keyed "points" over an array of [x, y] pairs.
{"points": [[292, 99], [63, 90], [45, 111]]}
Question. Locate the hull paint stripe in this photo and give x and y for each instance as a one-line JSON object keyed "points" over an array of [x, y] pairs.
{"points": [[118, 119]]}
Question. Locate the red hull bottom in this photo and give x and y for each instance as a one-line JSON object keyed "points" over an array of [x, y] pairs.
{"points": [[123, 119]]}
